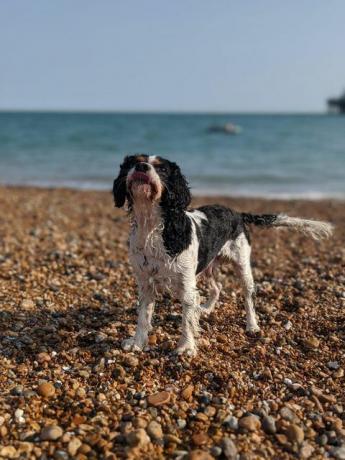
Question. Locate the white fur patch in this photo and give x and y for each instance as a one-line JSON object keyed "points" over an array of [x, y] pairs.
{"points": [[315, 228]]}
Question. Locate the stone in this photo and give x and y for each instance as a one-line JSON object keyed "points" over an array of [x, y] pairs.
{"points": [[51, 433], [17, 390], [47, 390], [137, 438], [159, 399], [231, 422], [339, 452], [210, 411], [201, 417], [8, 452], [199, 439], [154, 430], [73, 446], [181, 423], [269, 424], [333, 365], [27, 303], [43, 358], [229, 449], [187, 392], [61, 455], [306, 451], [295, 434], [287, 414], [250, 423], [311, 343], [216, 451], [199, 455]]}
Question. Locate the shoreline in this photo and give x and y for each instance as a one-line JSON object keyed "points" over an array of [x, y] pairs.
{"points": [[197, 194]]}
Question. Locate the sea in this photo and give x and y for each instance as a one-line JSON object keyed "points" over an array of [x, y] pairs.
{"points": [[275, 156]]}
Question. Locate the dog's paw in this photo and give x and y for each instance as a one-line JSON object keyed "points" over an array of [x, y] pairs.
{"points": [[131, 345], [206, 310], [187, 349], [253, 330]]}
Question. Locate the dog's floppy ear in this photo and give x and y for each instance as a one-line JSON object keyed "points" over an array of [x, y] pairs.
{"points": [[120, 186], [177, 193]]}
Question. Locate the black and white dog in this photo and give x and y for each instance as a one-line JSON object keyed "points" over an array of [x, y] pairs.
{"points": [[171, 245]]}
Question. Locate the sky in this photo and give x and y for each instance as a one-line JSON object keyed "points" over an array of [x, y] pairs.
{"points": [[171, 55]]}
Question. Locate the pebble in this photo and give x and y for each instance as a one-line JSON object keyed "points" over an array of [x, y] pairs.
{"points": [[333, 365], [47, 390], [8, 452], [18, 414], [138, 437], [295, 434], [154, 430], [187, 392], [199, 439], [311, 343], [231, 422], [51, 433], [132, 361], [250, 423], [27, 303], [17, 390], [229, 449], [43, 357], [288, 414], [306, 451], [73, 446], [339, 452], [199, 455], [159, 399], [61, 455], [181, 423], [216, 451], [269, 425]]}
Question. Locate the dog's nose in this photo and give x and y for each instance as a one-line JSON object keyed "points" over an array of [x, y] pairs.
{"points": [[142, 167]]}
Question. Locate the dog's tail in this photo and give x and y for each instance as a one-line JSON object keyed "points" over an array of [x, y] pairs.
{"points": [[317, 229]]}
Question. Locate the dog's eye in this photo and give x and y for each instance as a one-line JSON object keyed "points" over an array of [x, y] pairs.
{"points": [[161, 168]]}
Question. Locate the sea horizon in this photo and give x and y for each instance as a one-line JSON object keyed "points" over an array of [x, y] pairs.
{"points": [[273, 155]]}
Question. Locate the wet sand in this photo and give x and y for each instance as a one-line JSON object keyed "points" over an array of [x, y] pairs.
{"points": [[67, 297]]}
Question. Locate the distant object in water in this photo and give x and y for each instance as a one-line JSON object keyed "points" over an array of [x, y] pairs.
{"points": [[228, 128], [337, 104]]}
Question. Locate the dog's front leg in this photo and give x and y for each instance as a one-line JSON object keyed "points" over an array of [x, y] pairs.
{"points": [[145, 312], [190, 321]]}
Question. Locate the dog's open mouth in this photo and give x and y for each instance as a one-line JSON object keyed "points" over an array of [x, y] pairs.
{"points": [[140, 177], [141, 183]]}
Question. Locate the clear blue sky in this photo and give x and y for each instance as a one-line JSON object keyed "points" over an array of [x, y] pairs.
{"points": [[188, 55]]}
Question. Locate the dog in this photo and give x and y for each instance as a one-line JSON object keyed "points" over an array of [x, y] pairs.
{"points": [[171, 246]]}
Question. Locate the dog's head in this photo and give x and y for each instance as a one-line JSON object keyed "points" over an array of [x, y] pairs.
{"points": [[152, 179]]}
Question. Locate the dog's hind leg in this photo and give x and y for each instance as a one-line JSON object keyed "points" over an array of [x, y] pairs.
{"points": [[240, 254], [214, 289]]}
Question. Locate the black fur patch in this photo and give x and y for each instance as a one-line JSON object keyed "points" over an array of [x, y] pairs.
{"points": [[177, 232], [264, 220], [222, 224]]}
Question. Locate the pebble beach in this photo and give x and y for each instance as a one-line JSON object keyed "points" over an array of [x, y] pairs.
{"points": [[67, 300]]}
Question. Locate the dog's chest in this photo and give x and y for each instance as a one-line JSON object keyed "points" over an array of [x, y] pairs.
{"points": [[151, 262]]}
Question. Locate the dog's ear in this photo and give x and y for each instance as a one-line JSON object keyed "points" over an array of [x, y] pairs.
{"points": [[120, 186], [177, 194]]}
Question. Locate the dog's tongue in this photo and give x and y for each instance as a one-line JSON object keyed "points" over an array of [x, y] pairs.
{"points": [[139, 176]]}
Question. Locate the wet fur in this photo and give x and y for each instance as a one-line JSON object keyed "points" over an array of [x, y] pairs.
{"points": [[169, 245]]}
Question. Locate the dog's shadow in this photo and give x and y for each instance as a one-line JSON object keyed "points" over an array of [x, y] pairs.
{"points": [[94, 328]]}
